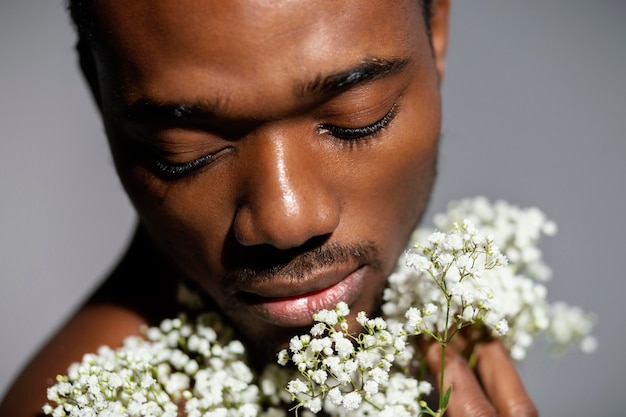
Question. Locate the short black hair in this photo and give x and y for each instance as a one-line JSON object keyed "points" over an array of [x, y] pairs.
{"points": [[82, 15]]}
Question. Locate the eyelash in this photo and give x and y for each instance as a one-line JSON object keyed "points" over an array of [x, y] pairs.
{"points": [[357, 133], [173, 171]]}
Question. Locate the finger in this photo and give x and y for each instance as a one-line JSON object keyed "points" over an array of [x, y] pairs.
{"points": [[502, 382], [467, 398]]}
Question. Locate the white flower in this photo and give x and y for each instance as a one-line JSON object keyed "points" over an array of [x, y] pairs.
{"points": [[502, 327], [454, 279], [318, 329], [452, 242], [295, 344], [314, 404], [283, 357], [380, 376], [588, 344], [417, 261], [342, 309], [352, 400], [343, 346], [319, 376], [334, 396], [370, 387], [328, 317], [296, 386]]}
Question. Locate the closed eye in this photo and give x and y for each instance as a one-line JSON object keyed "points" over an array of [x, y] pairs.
{"points": [[169, 170], [356, 133], [172, 153]]}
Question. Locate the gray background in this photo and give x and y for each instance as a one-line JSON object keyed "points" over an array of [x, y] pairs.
{"points": [[535, 113]]}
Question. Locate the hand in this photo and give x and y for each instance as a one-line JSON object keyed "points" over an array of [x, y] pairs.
{"points": [[494, 388]]}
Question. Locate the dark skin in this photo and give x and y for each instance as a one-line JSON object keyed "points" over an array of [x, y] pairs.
{"points": [[278, 154]]}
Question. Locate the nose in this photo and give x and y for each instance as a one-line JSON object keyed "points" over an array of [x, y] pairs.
{"points": [[285, 198]]}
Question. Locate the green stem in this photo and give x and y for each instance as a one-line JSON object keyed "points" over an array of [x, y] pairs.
{"points": [[441, 391], [442, 394]]}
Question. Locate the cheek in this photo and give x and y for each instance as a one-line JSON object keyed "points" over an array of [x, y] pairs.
{"points": [[399, 196], [188, 219], [391, 187], [414, 170]]}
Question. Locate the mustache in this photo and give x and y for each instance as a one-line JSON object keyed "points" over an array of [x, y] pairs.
{"points": [[263, 263]]}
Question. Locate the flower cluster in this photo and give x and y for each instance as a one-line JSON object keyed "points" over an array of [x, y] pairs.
{"points": [[492, 280], [511, 301], [517, 231], [341, 372], [195, 366], [455, 291], [354, 375]]}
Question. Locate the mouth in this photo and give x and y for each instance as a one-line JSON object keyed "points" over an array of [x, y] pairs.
{"points": [[278, 307]]}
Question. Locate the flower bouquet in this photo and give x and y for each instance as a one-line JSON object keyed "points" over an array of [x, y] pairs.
{"points": [[480, 274]]}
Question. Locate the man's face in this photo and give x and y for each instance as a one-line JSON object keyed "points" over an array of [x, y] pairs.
{"points": [[279, 153]]}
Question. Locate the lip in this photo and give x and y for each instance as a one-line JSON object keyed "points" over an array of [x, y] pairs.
{"points": [[296, 310]]}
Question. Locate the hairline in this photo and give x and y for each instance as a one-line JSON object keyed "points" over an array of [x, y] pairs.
{"points": [[82, 17]]}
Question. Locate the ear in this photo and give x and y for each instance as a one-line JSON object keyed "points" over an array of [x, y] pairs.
{"points": [[439, 17], [88, 67]]}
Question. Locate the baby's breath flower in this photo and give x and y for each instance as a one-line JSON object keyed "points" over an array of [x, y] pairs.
{"points": [[283, 357], [465, 273], [482, 267], [356, 368], [178, 359], [352, 400], [501, 327], [335, 397]]}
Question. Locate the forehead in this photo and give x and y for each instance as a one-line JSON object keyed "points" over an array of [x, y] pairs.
{"points": [[219, 45]]}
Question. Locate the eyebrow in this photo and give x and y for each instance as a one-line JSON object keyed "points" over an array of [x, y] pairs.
{"points": [[368, 70], [149, 110]]}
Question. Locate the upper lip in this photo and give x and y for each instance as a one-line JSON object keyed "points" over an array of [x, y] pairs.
{"points": [[289, 286]]}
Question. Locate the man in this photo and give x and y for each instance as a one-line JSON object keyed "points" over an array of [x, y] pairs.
{"points": [[278, 153]]}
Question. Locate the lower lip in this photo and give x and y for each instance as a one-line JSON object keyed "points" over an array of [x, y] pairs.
{"points": [[298, 311]]}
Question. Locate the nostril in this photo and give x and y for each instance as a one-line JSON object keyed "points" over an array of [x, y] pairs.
{"points": [[286, 199], [272, 227], [267, 258], [266, 219]]}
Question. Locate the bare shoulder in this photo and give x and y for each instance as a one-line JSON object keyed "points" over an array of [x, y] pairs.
{"points": [[91, 327], [140, 291]]}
